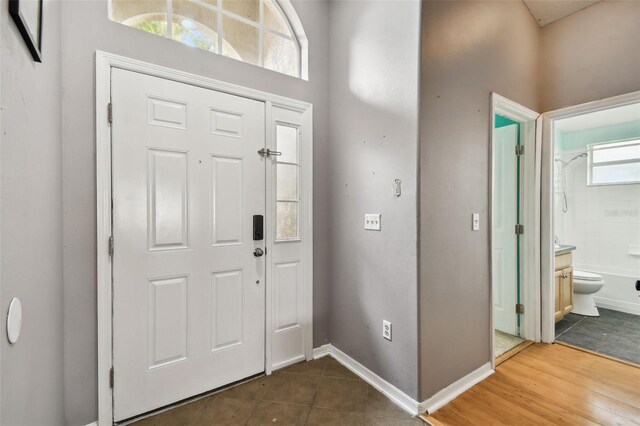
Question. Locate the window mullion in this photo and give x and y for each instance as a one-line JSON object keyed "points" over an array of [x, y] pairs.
{"points": [[220, 29], [615, 163], [169, 19], [261, 32]]}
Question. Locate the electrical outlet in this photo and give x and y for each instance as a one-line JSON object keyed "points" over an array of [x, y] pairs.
{"points": [[372, 222], [386, 329]]}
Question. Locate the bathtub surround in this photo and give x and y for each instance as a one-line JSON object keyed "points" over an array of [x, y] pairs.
{"points": [[603, 222]]}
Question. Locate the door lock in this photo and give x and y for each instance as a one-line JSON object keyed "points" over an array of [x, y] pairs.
{"points": [[268, 153], [258, 252]]}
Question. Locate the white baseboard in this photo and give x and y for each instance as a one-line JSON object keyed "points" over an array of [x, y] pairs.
{"points": [[287, 363], [617, 305], [456, 388], [321, 351], [93, 424], [406, 402], [393, 393]]}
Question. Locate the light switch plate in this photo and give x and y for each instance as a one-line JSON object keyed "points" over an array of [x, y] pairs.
{"points": [[475, 222], [372, 221]]}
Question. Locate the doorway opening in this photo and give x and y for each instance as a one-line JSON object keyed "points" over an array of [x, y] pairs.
{"points": [[514, 168], [592, 228]]}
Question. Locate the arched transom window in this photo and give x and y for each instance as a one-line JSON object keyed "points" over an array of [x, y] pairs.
{"points": [[253, 31]]}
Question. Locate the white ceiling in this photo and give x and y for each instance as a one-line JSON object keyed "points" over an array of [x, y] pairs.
{"points": [[548, 11], [608, 117]]}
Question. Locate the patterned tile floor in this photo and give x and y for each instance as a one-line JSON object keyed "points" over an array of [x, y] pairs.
{"points": [[319, 392], [613, 333]]}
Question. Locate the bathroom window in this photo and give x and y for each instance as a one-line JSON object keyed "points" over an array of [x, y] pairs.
{"points": [[287, 182], [614, 163], [253, 31]]}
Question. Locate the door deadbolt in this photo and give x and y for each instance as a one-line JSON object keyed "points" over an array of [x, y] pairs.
{"points": [[258, 252]]}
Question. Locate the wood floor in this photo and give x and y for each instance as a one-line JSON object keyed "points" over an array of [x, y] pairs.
{"points": [[550, 384]]}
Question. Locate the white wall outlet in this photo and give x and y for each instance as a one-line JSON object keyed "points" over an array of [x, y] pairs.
{"points": [[475, 222], [386, 329], [372, 221]]}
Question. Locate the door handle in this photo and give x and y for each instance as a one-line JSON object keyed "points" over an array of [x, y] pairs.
{"points": [[258, 252]]}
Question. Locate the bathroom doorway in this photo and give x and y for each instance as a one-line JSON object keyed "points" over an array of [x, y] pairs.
{"points": [[592, 227], [513, 225]]}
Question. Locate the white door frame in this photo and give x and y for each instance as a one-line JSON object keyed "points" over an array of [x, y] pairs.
{"points": [[104, 63], [530, 217], [547, 238]]}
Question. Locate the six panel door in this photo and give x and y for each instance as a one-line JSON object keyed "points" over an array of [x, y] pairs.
{"points": [[188, 292]]}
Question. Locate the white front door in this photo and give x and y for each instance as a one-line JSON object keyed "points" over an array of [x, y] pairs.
{"points": [[188, 291], [504, 219]]}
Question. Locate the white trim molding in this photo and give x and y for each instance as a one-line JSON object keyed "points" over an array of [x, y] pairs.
{"points": [[396, 395], [448, 394], [323, 350], [530, 217], [104, 64], [400, 398]]}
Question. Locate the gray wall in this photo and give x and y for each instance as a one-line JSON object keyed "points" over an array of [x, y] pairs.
{"points": [[592, 54], [373, 140], [86, 28], [31, 226], [469, 49]]}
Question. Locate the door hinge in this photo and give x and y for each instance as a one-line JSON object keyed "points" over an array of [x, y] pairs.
{"points": [[267, 152], [111, 246], [111, 378], [519, 229], [519, 308], [519, 149], [110, 113]]}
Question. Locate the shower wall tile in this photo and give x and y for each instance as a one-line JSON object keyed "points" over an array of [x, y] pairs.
{"points": [[601, 221]]}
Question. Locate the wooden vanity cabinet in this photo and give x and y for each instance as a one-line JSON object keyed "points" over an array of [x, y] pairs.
{"points": [[564, 285]]}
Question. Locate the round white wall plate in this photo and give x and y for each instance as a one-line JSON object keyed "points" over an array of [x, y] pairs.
{"points": [[14, 320]]}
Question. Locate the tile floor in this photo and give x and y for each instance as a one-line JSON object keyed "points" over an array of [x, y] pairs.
{"points": [[613, 333], [319, 392], [505, 342]]}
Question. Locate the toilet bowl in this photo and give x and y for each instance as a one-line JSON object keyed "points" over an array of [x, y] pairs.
{"points": [[585, 285]]}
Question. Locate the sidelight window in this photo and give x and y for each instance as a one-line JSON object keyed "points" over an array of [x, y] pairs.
{"points": [[287, 182]]}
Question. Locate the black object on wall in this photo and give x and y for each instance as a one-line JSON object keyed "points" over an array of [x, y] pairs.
{"points": [[27, 14]]}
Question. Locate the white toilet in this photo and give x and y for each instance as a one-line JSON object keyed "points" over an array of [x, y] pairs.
{"points": [[585, 285]]}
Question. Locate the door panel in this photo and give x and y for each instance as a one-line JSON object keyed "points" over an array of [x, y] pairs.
{"points": [[168, 199], [567, 291], [559, 312], [504, 219], [188, 293], [290, 320]]}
